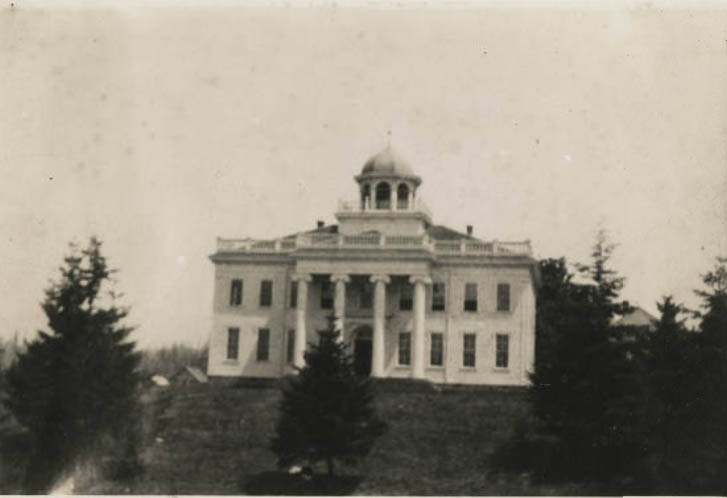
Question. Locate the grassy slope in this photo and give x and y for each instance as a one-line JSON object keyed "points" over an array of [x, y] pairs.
{"points": [[216, 438]]}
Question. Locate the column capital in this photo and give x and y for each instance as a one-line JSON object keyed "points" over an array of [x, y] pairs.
{"points": [[380, 278], [340, 277], [301, 277], [424, 279]]}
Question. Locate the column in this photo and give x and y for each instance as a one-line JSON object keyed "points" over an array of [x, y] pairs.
{"points": [[377, 354], [339, 300], [392, 197], [300, 317], [417, 364]]}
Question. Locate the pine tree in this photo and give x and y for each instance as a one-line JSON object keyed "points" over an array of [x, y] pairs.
{"points": [[75, 385], [709, 415], [327, 410], [587, 384], [668, 356]]}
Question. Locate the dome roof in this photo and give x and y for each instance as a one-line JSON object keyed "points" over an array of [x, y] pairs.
{"points": [[387, 163]]}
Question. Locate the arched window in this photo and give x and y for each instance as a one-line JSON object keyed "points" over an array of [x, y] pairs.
{"points": [[365, 195], [383, 196], [402, 196]]}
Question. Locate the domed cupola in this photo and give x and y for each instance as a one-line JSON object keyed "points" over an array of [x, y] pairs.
{"points": [[387, 182]]}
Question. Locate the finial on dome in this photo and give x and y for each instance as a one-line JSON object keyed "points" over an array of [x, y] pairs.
{"points": [[388, 138]]}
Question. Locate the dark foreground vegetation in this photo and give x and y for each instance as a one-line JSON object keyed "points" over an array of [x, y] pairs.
{"points": [[639, 410]]}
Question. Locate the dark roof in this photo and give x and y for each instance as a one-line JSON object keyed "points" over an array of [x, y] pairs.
{"points": [[436, 232], [325, 229], [440, 232]]}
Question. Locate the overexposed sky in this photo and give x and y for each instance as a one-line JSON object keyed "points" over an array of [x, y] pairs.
{"points": [[160, 128]]}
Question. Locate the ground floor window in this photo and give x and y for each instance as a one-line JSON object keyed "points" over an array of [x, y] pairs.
{"points": [[404, 348], [436, 353], [290, 351], [233, 342], [502, 350], [468, 350], [263, 344]]}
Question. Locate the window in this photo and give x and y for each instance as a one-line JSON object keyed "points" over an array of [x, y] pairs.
{"points": [[263, 344], [290, 351], [470, 297], [383, 196], [438, 296], [406, 300], [468, 350], [236, 292], [404, 348], [233, 342], [365, 195], [366, 297], [266, 292], [436, 354], [502, 345], [402, 196], [293, 294], [503, 297], [326, 295]]}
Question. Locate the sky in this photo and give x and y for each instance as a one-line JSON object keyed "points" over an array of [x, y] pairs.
{"points": [[159, 128]]}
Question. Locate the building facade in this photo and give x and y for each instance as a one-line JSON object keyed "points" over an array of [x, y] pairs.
{"points": [[413, 299]]}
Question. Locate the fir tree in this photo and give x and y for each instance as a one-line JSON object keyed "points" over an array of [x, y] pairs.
{"points": [[327, 410], [668, 366], [587, 383], [709, 416], [75, 385]]}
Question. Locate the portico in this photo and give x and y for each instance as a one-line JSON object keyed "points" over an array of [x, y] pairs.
{"points": [[380, 282]]}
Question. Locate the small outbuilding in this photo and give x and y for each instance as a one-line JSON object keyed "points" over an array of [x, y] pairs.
{"points": [[189, 375]]}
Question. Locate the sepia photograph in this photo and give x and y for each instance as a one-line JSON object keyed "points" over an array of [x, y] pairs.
{"points": [[378, 247]]}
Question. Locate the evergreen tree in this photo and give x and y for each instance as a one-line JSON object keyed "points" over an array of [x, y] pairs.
{"points": [[327, 410], [668, 356], [587, 387], [75, 385], [708, 430]]}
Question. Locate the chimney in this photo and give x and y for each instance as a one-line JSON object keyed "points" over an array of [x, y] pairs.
{"points": [[469, 230], [320, 223]]}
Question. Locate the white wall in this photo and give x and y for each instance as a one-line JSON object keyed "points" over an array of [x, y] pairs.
{"points": [[519, 323]]}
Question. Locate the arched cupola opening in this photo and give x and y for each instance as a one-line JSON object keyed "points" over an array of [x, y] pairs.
{"points": [[365, 196], [402, 196], [383, 196]]}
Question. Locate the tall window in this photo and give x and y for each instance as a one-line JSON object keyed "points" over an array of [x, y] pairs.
{"points": [[470, 297], [402, 196], [383, 196], [366, 297], [326, 295], [266, 293], [236, 292], [263, 344], [404, 348], [290, 350], [436, 354], [503, 297], [365, 195], [469, 348], [293, 294], [406, 297], [502, 346], [233, 342], [438, 296]]}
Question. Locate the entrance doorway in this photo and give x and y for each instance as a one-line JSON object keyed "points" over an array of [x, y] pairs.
{"points": [[362, 350]]}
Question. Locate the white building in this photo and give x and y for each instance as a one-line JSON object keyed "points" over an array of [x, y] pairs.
{"points": [[414, 299]]}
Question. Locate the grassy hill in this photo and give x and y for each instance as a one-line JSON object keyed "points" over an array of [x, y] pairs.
{"points": [[214, 439]]}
